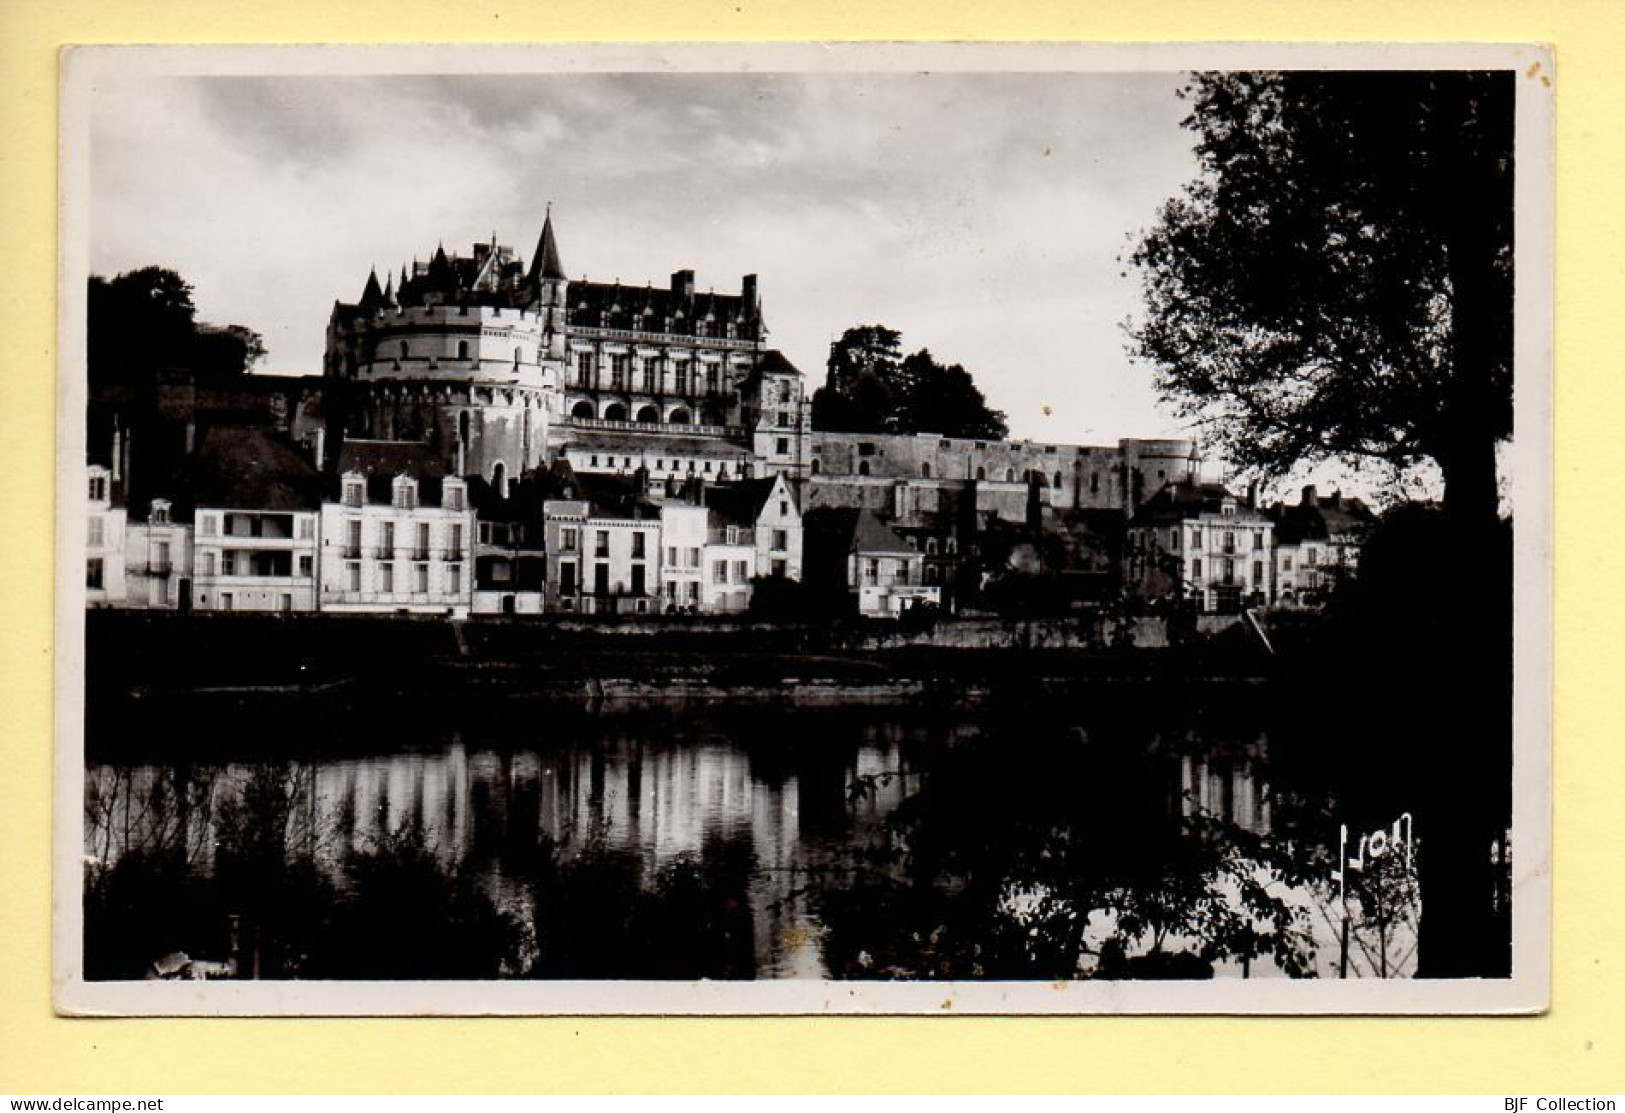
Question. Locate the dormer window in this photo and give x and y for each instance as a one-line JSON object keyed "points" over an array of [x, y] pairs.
{"points": [[98, 488], [406, 493], [159, 515], [354, 491], [454, 498]]}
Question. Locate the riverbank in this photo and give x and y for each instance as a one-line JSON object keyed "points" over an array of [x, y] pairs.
{"points": [[155, 666]]}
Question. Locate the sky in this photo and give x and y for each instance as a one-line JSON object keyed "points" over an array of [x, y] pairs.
{"points": [[982, 215]]}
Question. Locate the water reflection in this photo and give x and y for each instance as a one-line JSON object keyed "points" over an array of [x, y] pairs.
{"points": [[650, 845]]}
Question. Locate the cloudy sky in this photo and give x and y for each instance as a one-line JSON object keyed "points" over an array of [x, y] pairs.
{"points": [[981, 214]]}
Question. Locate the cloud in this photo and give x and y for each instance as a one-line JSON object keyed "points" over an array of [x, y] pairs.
{"points": [[982, 214]]}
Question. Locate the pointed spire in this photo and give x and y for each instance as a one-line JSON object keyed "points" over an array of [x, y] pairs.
{"points": [[373, 296], [389, 291], [545, 263]]}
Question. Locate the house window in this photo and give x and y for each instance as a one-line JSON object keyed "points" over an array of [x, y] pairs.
{"points": [[454, 579], [638, 579], [1258, 572], [307, 529], [386, 577], [454, 496], [423, 542], [871, 573], [205, 525], [567, 578], [352, 537], [925, 470], [863, 467], [1286, 564], [455, 551], [160, 514], [784, 508], [638, 542], [406, 494], [353, 492], [719, 572], [228, 563], [386, 546], [462, 349], [783, 420], [692, 590], [583, 368], [93, 573], [780, 569], [781, 540], [671, 556], [568, 539], [420, 573], [94, 537], [304, 567], [1196, 540], [601, 543], [206, 564], [741, 571], [784, 446], [1196, 569], [694, 558], [352, 571], [403, 349], [815, 467], [98, 488]]}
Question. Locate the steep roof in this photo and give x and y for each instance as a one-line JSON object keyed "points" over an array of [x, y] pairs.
{"points": [[740, 503], [546, 263], [250, 468], [871, 535]]}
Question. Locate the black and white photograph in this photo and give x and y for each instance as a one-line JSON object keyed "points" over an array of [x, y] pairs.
{"points": [[804, 529]]}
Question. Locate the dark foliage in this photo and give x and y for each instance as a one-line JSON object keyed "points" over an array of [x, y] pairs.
{"points": [[1337, 284], [873, 388], [144, 321]]}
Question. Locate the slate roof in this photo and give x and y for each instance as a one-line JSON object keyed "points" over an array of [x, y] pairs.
{"points": [[740, 503], [871, 535], [389, 458], [1183, 499], [250, 468], [1320, 518]]}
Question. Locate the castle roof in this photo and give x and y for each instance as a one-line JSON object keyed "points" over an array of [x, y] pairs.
{"points": [[546, 263]]}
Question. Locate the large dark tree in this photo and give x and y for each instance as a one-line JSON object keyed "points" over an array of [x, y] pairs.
{"points": [[1337, 282], [1336, 285], [144, 321], [873, 388]]}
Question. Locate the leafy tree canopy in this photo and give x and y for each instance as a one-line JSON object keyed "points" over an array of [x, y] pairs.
{"points": [[873, 388], [144, 321], [1336, 284]]}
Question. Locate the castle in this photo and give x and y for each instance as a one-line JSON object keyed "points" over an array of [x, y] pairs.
{"points": [[502, 368]]}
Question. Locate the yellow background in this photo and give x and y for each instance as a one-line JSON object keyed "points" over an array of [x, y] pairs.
{"points": [[1577, 1048]]}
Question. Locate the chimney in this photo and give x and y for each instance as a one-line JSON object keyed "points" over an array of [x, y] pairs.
{"points": [[640, 480], [1309, 496], [747, 293], [1252, 495], [319, 447], [900, 501], [682, 285]]}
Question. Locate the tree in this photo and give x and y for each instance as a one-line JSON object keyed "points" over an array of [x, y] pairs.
{"points": [[144, 321], [1337, 283], [873, 388]]}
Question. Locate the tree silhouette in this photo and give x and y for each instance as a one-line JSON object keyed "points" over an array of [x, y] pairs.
{"points": [[1336, 285], [873, 388], [1337, 282]]}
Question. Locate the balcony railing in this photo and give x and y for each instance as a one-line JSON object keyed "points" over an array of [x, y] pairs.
{"points": [[655, 428]]}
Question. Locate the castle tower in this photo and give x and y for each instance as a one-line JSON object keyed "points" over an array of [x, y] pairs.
{"points": [[550, 288]]}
